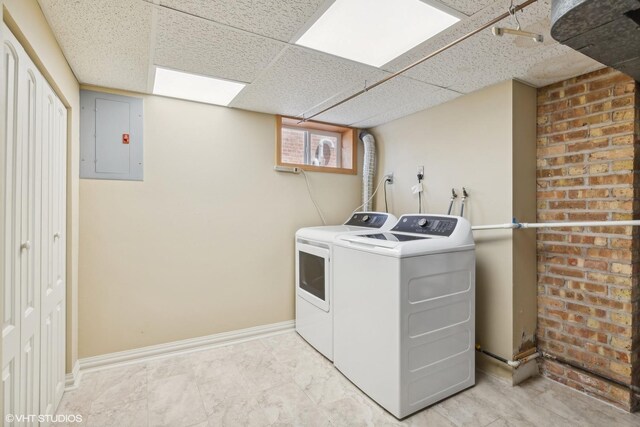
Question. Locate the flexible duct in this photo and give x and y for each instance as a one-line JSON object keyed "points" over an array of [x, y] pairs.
{"points": [[368, 168]]}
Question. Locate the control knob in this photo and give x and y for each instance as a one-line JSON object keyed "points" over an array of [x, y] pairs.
{"points": [[423, 222], [366, 218]]}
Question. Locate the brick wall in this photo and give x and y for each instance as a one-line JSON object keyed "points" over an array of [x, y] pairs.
{"points": [[588, 157], [293, 148]]}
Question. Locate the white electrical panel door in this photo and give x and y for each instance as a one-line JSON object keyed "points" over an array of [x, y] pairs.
{"points": [[34, 215], [110, 136], [112, 122]]}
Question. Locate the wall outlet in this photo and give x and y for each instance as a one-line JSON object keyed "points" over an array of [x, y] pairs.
{"points": [[287, 169], [421, 170], [389, 177]]}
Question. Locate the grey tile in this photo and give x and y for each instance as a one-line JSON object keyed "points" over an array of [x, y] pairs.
{"points": [[175, 401], [281, 380], [288, 405], [130, 414], [289, 346], [512, 404], [169, 367], [463, 409], [261, 369], [76, 403], [429, 417], [222, 382], [243, 410], [499, 423], [322, 383], [112, 387], [581, 408], [353, 410]]}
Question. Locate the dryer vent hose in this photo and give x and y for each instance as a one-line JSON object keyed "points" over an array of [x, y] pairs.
{"points": [[368, 169]]}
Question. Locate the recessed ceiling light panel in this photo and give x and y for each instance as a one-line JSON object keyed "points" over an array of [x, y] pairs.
{"points": [[177, 84], [376, 31]]}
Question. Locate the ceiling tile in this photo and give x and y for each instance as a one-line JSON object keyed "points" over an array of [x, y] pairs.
{"points": [[245, 43], [106, 43], [438, 96], [391, 95], [195, 45], [468, 7], [278, 19], [443, 38], [485, 59], [301, 79], [557, 63]]}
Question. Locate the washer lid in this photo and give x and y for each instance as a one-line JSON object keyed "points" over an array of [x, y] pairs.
{"points": [[358, 222], [429, 234]]}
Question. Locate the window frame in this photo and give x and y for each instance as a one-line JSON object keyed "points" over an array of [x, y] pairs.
{"points": [[347, 135]]}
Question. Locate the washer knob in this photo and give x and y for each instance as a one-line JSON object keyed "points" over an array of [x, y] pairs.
{"points": [[366, 218], [423, 222]]}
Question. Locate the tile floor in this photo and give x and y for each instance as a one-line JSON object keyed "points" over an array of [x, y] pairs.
{"points": [[281, 380]]}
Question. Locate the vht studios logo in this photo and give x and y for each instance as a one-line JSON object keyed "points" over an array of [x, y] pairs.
{"points": [[32, 418]]}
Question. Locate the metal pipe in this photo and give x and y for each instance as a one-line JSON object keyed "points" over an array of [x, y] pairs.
{"points": [[464, 198], [578, 367], [420, 61], [453, 198], [517, 362], [519, 225], [514, 363]]}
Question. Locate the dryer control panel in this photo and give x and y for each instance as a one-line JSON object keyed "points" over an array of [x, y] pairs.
{"points": [[426, 224], [367, 219]]}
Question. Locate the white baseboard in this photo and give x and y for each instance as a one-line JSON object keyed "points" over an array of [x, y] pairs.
{"points": [[178, 347], [72, 379]]}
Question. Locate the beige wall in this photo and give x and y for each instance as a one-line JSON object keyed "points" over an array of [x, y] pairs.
{"points": [[205, 243], [26, 21], [484, 141]]}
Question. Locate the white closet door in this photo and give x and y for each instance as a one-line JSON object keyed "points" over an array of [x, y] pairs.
{"points": [[53, 252], [33, 285], [29, 91], [11, 280]]}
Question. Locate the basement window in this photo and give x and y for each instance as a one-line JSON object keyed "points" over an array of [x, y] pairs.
{"points": [[315, 146]]}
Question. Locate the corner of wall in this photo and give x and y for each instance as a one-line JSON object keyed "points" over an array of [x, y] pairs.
{"points": [[524, 209], [2, 172]]}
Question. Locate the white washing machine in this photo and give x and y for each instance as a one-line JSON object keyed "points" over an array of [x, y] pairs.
{"points": [[314, 285], [404, 311]]}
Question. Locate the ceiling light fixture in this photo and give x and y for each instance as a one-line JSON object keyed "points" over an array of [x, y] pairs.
{"points": [[194, 87], [374, 32]]}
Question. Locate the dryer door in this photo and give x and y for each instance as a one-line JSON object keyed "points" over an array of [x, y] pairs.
{"points": [[312, 274]]}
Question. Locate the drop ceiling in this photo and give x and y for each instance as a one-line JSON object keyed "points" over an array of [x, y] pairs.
{"points": [[118, 43]]}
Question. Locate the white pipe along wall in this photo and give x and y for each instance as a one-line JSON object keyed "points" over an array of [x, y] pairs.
{"points": [[518, 225]]}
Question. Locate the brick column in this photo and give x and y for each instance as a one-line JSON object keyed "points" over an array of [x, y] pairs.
{"points": [[588, 157]]}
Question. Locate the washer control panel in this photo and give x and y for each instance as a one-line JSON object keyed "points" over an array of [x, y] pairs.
{"points": [[426, 224], [367, 219]]}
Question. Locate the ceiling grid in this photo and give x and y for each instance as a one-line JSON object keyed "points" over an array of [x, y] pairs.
{"points": [[251, 41]]}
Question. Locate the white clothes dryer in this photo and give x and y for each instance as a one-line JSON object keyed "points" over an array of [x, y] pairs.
{"points": [[314, 284]]}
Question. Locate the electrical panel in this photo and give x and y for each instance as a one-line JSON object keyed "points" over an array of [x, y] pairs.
{"points": [[111, 140]]}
